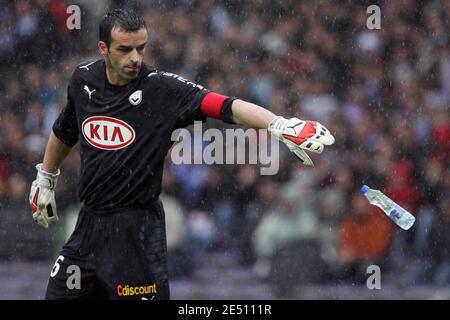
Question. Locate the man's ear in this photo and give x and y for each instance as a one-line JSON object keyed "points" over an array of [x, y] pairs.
{"points": [[102, 48]]}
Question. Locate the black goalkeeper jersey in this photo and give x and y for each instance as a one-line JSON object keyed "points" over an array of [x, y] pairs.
{"points": [[124, 132]]}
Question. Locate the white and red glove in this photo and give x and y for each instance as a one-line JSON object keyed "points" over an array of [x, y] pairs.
{"points": [[300, 135], [42, 197]]}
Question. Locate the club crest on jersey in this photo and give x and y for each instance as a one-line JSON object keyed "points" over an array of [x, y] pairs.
{"points": [[136, 97], [107, 133]]}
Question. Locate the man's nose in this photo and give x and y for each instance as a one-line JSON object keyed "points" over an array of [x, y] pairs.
{"points": [[134, 57]]}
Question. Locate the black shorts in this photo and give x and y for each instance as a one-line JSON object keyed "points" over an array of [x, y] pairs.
{"points": [[116, 256]]}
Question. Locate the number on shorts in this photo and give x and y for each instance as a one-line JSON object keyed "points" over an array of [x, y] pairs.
{"points": [[56, 266]]}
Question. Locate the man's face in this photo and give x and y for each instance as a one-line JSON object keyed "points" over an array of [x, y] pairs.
{"points": [[125, 53]]}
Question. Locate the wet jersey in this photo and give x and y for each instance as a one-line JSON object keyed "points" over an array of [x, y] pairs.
{"points": [[124, 132]]}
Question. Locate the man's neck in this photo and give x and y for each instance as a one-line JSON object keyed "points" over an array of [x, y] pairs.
{"points": [[114, 79]]}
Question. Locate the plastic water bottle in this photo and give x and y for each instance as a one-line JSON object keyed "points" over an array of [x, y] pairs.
{"points": [[400, 216]]}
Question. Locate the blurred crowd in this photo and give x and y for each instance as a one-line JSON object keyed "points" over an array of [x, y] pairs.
{"points": [[384, 94]]}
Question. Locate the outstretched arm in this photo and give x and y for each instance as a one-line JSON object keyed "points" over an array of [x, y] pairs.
{"points": [[298, 135], [251, 115]]}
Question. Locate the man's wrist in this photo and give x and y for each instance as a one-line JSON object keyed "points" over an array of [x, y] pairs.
{"points": [[46, 170], [46, 179], [46, 174], [276, 126]]}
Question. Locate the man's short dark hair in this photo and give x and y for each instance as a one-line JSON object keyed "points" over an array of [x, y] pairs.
{"points": [[127, 20]]}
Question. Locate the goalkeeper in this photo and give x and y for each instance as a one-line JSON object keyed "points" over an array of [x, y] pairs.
{"points": [[122, 112]]}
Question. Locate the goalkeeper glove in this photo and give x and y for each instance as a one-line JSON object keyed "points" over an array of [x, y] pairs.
{"points": [[300, 135], [42, 197]]}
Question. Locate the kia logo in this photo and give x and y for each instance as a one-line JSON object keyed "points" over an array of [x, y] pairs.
{"points": [[107, 133]]}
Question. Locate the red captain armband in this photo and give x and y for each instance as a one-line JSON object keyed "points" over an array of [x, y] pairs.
{"points": [[217, 106]]}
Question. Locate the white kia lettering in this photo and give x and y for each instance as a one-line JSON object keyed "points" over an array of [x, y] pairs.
{"points": [[107, 133]]}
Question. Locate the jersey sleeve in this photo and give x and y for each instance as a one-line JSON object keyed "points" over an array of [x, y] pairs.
{"points": [[65, 127], [185, 99]]}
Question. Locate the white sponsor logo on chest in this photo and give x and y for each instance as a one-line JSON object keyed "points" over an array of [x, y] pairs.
{"points": [[107, 133]]}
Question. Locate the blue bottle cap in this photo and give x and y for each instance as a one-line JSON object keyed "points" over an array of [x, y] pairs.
{"points": [[364, 189]]}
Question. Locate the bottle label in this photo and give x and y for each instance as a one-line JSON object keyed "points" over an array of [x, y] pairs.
{"points": [[394, 214]]}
